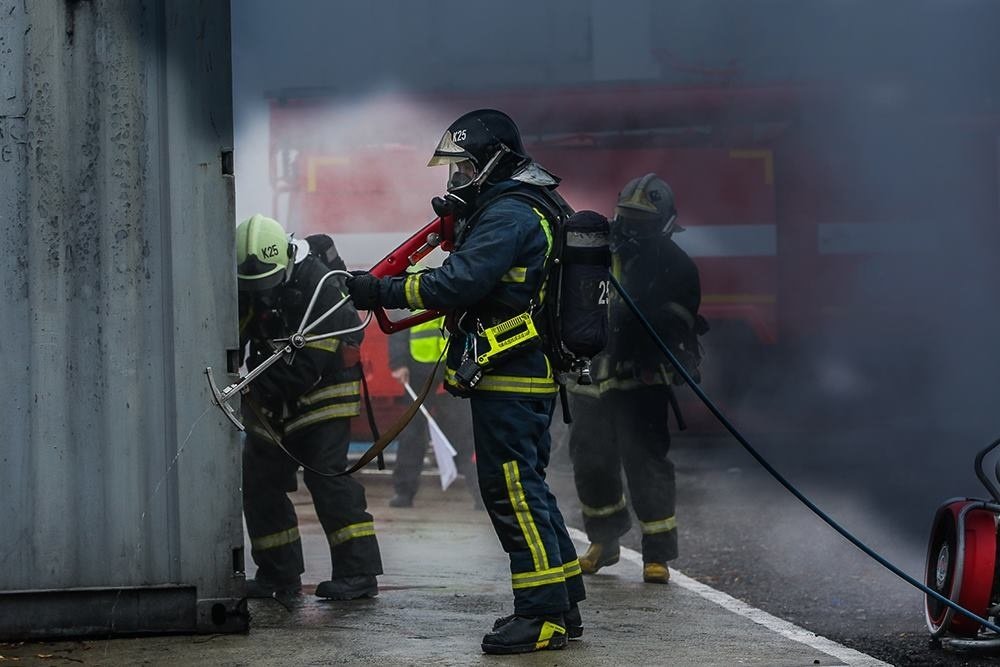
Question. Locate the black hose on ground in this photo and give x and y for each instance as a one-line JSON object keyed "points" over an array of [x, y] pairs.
{"points": [[778, 476]]}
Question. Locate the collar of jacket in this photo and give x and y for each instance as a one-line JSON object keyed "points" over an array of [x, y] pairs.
{"points": [[485, 198]]}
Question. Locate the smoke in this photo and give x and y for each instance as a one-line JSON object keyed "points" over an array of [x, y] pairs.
{"points": [[354, 168]]}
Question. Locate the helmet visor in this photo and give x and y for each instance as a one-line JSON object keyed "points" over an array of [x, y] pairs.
{"points": [[248, 280], [447, 152]]}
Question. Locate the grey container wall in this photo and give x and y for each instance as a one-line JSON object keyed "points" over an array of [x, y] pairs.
{"points": [[119, 485]]}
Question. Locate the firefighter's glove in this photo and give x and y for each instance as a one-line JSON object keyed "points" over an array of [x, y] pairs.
{"points": [[364, 289]]}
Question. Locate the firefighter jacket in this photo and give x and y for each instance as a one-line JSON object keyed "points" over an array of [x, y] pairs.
{"points": [[495, 272], [319, 382], [664, 283]]}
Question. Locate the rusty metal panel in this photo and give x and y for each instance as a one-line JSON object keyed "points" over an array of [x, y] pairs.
{"points": [[117, 291]]}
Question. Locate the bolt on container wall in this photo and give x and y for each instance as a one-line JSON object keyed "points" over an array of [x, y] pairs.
{"points": [[119, 486]]}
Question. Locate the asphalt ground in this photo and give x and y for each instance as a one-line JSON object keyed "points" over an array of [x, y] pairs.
{"points": [[744, 534], [446, 580], [740, 533]]}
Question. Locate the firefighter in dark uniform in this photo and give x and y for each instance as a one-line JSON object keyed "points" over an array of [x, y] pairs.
{"points": [[621, 420], [495, 274], [306, 402], [412, 356]]}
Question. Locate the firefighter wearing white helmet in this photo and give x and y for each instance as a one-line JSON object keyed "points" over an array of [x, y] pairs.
{"points": [[620, 421], [307, 404]]}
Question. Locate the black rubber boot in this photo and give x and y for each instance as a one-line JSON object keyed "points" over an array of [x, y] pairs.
{"points": [[348, 588], [262, 587], [574, 622], [524, 634]]}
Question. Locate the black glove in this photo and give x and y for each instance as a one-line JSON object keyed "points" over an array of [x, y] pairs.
{"points": [[364, 290]]}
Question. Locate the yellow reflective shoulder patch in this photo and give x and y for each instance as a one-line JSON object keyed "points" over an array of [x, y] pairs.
{"points": [[517, 274]]}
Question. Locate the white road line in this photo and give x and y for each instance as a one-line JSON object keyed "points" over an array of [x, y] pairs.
{"points": [[779, 626]]}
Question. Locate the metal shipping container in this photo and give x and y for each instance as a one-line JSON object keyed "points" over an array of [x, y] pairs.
{"points": [[119, 484]]}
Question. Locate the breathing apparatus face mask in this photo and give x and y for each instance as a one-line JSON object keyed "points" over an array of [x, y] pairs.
{"points": [[460, 174], [630, 232], [270, 308], [266, 300]]}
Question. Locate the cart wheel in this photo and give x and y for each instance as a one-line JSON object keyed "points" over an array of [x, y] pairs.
{"points": [[973, 587]]}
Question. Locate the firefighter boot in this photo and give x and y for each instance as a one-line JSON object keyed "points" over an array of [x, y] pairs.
{"points": [[655, 573], [524, 634], [348, 588], [574, 622], [599, 554]]}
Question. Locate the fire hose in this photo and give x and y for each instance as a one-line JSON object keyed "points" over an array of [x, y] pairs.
{"points": [[717, 413]]}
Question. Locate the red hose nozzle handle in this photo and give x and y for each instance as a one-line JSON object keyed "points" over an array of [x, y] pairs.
{"points": [[439, 232]]}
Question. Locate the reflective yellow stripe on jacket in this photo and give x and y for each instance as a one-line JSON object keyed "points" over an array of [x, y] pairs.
{"points": [[547, 230], [510, 384], [411, 290], [517, 274]]}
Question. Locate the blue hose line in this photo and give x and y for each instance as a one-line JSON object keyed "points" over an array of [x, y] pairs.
{"points": [[778, 476]]}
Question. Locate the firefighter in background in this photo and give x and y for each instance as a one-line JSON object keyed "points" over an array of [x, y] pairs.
{"points": [[305, 403], [412, 356], [495, 274], [620, 421]]}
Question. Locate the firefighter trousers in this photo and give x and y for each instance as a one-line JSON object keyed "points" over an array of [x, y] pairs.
{"points": [[512, 451], [452, 415], [269, 475], [625, 430]]}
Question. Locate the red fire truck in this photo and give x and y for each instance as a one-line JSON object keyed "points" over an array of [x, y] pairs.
{"points": [[760, 190]]}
